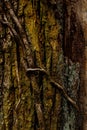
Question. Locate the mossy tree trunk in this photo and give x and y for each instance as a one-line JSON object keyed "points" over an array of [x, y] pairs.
{"points": [[34, 74]]}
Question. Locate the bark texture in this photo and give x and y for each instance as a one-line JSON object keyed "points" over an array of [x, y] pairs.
{"points": [[30, 41], [40, 46], [75, 49]]}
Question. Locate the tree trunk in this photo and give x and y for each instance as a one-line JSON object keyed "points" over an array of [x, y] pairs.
{"points": [[30, 41], [75, 49], [83, 90], [39, 65]]}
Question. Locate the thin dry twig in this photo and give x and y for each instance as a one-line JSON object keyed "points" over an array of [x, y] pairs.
{"points": [[10, 27], [12, 14], [31, 70], [25, 41], [57, 85]]}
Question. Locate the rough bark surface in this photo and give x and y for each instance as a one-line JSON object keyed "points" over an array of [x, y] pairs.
{"points": [[75, 49], [29, 101], [40, 53]]}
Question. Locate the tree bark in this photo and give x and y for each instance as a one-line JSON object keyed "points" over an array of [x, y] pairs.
{"points": [[39, 65], [75, 49]]}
